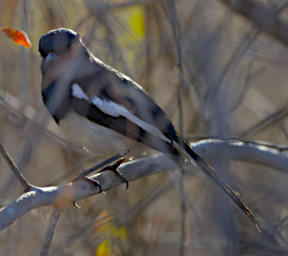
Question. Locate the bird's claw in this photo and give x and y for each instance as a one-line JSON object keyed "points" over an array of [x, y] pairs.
{"points": [[76, 205]]}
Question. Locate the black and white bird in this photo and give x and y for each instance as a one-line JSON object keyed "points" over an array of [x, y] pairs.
{"points": [[103, 110]]}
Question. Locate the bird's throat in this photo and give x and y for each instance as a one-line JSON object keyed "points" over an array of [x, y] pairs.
{"points": [[56, 99]]}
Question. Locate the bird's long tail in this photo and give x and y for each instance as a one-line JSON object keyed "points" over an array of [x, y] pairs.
{"points": [[210, 172]]}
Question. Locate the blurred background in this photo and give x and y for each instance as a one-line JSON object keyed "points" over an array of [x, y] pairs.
{"points": [[218, 70]]}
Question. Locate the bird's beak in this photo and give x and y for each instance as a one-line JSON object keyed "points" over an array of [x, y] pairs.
{"points": [[50, 56]]}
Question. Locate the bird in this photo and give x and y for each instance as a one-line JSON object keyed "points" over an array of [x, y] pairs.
{"points": [[104, 110]]}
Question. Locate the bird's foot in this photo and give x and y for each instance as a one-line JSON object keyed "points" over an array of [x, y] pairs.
{"points": [[115, 170]]}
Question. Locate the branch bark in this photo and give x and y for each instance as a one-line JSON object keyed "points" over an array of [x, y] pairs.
{"points": [[62, 196], [245, 151], [54, 218]]}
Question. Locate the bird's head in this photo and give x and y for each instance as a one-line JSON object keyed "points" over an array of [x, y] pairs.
{"points": [[59, 49], [56, 43]]}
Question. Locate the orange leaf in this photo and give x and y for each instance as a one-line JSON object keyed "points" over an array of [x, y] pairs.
{"points": [[19, 37]]}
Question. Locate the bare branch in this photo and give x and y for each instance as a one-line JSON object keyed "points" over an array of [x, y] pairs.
{"points": [[265, 122], [63, 196], [19, 176], [245, 151], [262, 17], [176, 29], [54, 218]]}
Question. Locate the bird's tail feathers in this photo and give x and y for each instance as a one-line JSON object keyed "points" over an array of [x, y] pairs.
{"points": [[210, 172]]}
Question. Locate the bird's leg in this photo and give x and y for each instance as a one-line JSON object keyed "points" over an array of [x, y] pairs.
{"points": [[118, 157], [114, 169]]}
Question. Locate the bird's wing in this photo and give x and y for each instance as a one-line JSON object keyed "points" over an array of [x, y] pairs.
{"points": [[117, 95], [116, 117]]}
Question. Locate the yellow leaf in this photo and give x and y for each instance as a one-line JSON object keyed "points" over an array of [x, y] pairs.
{"points": [[136, 20], [104, 249], [121, 234]]}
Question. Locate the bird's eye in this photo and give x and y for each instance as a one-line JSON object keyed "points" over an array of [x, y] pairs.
{"points": [[51, 56]]}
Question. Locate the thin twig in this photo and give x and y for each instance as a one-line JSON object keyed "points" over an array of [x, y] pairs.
{"points": [[18, 115], [265, 122], [248, 39], [262, 17], [243, 46], [172, 15], [19, 176], [54, 218], [44, 14]]}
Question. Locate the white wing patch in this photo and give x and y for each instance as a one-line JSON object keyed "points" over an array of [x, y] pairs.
{"points": [[114, 109], [78, 93], [109, 107]]}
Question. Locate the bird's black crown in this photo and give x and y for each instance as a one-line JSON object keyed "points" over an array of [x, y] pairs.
{"points": [[57, 41]]}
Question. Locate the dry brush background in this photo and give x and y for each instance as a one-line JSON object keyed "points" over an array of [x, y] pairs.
{"points": [[219, 70]]}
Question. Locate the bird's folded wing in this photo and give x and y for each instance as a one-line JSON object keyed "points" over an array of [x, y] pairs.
{"points": [[117, 95], [118, 118]]}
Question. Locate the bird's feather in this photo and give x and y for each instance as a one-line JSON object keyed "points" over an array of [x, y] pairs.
{"points": [[114, 109]]}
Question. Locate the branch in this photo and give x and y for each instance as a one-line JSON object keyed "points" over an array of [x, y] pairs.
{"points": [[176, 29], [262, 17], [62, 196], [265, 122], [19, 176], [245, 151], [54, 218]]}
